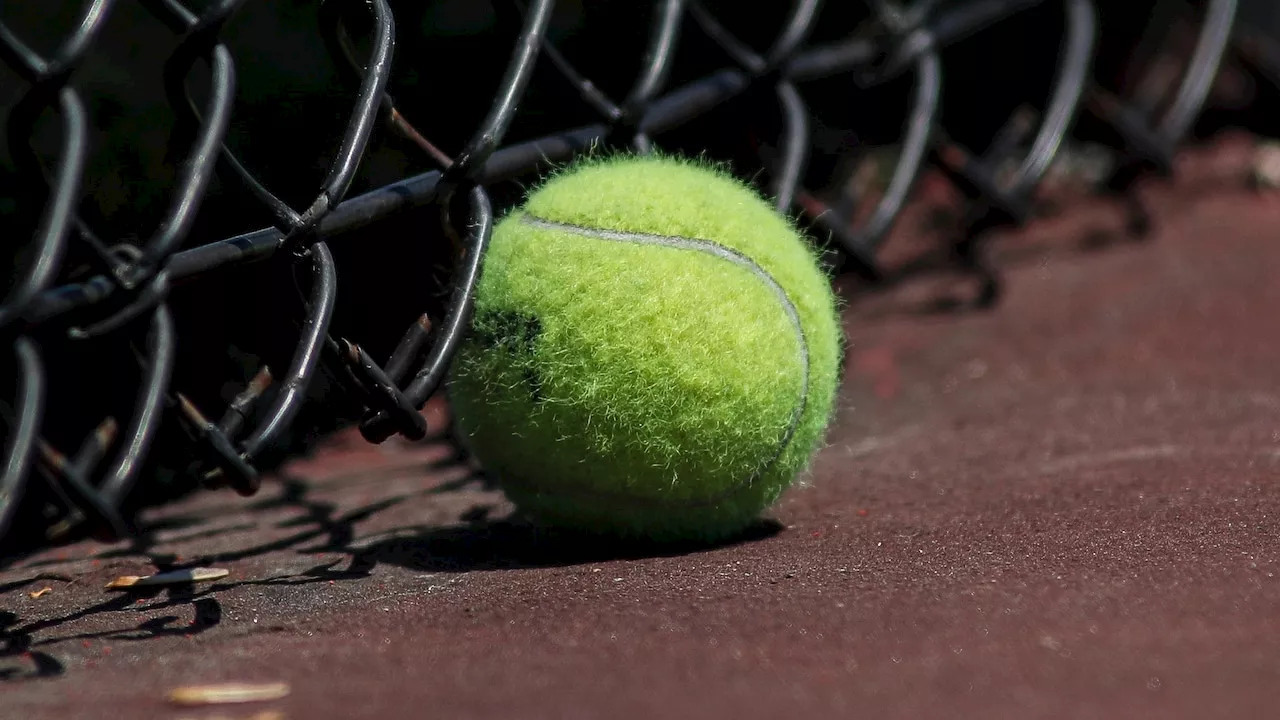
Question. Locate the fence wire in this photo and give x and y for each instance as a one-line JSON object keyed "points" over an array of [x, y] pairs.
{"points": [[114, 302]]}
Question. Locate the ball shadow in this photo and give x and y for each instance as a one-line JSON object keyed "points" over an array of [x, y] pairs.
{"points": [[512, 544]]}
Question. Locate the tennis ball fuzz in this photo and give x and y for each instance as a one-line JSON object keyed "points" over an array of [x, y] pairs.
{"points": [[654, 352]]}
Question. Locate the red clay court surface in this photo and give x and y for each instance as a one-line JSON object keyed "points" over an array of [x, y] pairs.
{"points": [[1065, 508]]}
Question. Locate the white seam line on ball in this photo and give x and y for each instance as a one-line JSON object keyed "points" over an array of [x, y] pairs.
{"points": [[730, 255]]}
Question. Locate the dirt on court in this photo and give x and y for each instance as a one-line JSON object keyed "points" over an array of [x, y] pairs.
{"points": [[1066, 507]]}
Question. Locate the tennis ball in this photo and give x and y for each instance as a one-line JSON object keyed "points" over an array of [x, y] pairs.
{"points": [[654, 352]]}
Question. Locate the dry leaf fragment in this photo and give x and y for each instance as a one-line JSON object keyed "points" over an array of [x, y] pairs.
{"points": [[174, 577], [264, 715], [228, 693], [40, 593], [1265, 170]]}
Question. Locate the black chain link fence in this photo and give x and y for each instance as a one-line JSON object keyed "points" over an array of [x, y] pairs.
{"points": [[234, 226]]}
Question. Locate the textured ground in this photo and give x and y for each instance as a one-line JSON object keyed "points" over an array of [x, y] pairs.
{"points": [[1066, 508]]}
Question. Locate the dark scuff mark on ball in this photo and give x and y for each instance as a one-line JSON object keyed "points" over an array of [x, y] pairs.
{"points": [[515, 333]]}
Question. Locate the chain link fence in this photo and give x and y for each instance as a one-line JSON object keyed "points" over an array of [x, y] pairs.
{"points": [[231, 227]]}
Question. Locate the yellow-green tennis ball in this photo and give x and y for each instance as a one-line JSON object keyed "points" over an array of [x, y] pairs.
{"points": [[654, 352]]}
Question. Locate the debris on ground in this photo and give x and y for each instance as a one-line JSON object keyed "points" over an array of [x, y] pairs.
{"points": [[263, 715], [1266, 165], [175, 577], [228, 693]]}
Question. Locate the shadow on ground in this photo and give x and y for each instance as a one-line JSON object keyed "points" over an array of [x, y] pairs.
{"points": [[513, 544], [27, 649], [295, 517]]}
